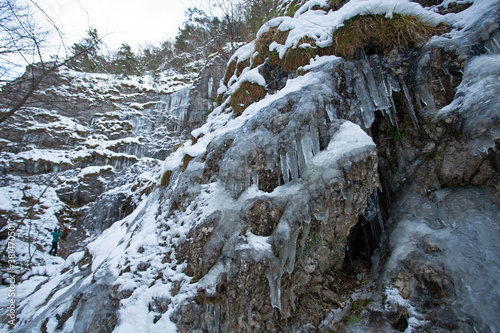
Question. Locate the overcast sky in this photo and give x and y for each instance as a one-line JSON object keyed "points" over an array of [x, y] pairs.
{"points": [[135, 22]]}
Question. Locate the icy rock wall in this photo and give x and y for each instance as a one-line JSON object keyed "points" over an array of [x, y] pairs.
{"points": [[294, 180], [396, 98], [88, 149], [442, 254], [249, 227], [176, 104], [191, 105]]}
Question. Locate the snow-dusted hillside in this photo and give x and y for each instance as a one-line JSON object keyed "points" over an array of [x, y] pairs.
{"points": [[324, 193], [83, 155]]}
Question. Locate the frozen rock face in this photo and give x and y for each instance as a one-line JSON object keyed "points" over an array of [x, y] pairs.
{"points": [[86, 148], [442, 256], [267, 220], [293, 185]]}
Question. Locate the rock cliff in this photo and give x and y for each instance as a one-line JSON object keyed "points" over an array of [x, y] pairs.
{"points": [[323, 193]]}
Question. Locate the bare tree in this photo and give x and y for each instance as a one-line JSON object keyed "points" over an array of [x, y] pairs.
{"points": [[23, 44]]}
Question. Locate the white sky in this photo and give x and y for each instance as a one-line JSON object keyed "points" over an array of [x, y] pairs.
{"points": [[135, 22]]}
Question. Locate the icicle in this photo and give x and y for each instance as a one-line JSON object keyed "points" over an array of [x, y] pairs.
{"points": [[371, 211], [248, 180], [306, 228], [306, 145], [284, 168], [366, 105], [293, 168], [413, 116], [238, 187], [255, 178], [229, 183], [374, 88], [379, 217], [300, 157], [210, 87], [343, 194], [391, 111], [493, 45], [331, 111], [290, 251], [274, 278], [217, 318], [315, 139]]}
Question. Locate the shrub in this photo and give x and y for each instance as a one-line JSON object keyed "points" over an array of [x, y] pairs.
{"points": [[245, 95], [365, 31]]}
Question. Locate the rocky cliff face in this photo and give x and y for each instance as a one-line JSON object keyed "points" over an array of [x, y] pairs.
{"points": [[345, 195], [90, 146]]}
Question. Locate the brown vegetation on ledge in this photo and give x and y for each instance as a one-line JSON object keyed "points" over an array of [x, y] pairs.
{"points": [[364, 31]]}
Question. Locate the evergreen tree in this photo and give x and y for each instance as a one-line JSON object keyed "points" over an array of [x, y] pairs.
{"points": [[90, 61], [125, 61]]}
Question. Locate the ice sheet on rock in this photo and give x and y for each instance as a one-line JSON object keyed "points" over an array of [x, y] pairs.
{"points": [[463, 224], [176, 103], [478, 13], [477, 102]]}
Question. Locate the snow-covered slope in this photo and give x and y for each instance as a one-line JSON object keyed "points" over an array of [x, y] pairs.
{"points": [[266, 219]]}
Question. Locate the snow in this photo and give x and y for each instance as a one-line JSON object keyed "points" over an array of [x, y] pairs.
{"points": [[143, 239], [243, 53], [395, 300], [10, 197], [469, 18], [320, 25], [349, 140], [94, 170], [253, 76], [257, 243]]}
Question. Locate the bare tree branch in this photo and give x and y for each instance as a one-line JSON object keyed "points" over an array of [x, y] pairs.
{"points": [[21, 38]]}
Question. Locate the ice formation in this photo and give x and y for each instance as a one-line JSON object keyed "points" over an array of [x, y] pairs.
{"points": [[264, 202]]}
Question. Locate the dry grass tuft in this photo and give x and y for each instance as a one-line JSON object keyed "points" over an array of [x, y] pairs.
{"points": [[241, 66], [185, 161], [299, 56], [165, 179], [246, 94], [365, 31], [273, 35], [335, 4], [258, 60], [229, 71]]}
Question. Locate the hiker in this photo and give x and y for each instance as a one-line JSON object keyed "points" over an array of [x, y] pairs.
{"points": [[55, 238]]}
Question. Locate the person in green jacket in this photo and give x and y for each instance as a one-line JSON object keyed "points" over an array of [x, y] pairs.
{"points": [[55, 238]]}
